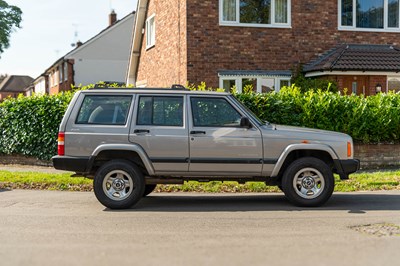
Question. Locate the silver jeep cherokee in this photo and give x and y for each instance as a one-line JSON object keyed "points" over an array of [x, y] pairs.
{"points": [[130, 140]]}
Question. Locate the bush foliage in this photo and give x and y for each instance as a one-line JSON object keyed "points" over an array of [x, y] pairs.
{"points": [[370, 119], [29, 125]]}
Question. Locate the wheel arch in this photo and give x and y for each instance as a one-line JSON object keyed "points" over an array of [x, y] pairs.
{"points": [[294, 152], [133, 153]]}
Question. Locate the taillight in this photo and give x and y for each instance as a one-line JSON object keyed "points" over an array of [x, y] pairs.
{"points": [[61, 143], [348, 149]]}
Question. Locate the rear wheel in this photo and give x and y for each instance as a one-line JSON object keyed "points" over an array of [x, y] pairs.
{"points": [[118, 184], [308, 182]]}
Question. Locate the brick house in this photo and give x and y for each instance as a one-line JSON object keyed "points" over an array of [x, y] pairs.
{"points": [[14, 85], [104, 57], [240, 42]]}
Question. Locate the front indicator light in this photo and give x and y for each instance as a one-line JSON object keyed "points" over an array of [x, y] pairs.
{"points": [[349, 149]]}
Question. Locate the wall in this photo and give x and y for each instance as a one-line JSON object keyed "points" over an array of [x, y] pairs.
{"points": [[313, 31], [106, 56], [165, 63], [379, 156]]}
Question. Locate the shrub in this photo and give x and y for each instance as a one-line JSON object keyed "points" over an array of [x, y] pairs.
{"points": [[29, 125], [370, 119]]}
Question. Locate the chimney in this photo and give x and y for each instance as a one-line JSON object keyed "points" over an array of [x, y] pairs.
{"points": [[112, 18]]}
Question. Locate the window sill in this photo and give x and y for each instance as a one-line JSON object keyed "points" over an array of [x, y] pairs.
{"points": [[250, 25], [150, 47], [368, 29]]}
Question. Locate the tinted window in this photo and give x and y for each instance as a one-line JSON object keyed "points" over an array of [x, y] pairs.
{"points": [[213, 112], [160, 111], [104, 110]]}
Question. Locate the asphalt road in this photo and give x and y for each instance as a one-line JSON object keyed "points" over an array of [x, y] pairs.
{"points": [[72, 228]]}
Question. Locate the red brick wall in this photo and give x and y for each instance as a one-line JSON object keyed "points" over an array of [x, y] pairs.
{"points": [[314, 30], [378, 156], [165, 63]]}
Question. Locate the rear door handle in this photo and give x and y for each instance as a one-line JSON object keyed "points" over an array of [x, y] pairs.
{"points": [[141, 131], [197, 132]]}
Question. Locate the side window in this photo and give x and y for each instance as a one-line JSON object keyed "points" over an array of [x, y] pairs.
{"points": [[214, 112], [104, 110], [160, 111]]}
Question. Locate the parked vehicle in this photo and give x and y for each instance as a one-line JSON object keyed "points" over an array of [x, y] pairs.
{"points": [[130, 140]]}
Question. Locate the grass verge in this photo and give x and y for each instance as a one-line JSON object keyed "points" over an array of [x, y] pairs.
{"points": [[389, 180]]}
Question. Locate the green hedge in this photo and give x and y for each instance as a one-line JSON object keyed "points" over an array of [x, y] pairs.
{"points": [[370, 119], [29, 125]]}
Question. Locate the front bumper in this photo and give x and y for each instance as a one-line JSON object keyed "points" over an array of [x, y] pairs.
{"points": [[346, 167]]}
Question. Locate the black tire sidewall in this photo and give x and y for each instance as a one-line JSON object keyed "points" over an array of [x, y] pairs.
{"points": [[308, 162], [129, 168]]}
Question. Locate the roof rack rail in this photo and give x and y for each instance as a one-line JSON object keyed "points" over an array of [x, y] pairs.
{"points": [[178, 87]]}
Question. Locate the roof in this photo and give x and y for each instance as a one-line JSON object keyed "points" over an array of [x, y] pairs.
{"points": [[94, 38], [358, 57], [285, 73], [15, 83]]}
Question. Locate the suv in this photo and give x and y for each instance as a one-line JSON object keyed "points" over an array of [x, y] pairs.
{"points": [[130, 140]]}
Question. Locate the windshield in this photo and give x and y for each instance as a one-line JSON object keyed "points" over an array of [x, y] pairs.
{"points": [[247, 110]]}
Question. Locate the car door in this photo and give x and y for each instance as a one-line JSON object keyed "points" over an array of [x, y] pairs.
{"points": [[218, 144], [160, 128]]}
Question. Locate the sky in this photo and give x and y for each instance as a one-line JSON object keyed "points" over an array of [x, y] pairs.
{"points": [[49, 27]]}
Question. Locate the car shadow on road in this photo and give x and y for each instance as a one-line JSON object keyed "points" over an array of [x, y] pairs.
{"points": [[351, 202]]}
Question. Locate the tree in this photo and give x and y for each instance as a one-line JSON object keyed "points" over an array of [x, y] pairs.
{"points": [[10, 18]]}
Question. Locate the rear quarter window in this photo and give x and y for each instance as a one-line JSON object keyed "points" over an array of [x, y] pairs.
{"points": [[104, 110]]}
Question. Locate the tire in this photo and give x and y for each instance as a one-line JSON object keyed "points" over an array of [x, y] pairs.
{"points": [[148, 189], [308, 182], [118, 184]]}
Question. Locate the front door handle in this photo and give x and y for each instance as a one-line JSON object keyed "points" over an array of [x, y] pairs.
{"points": [[141, 131], [197, 132]]}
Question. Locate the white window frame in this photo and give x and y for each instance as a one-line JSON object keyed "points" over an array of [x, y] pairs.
{"points": [[354, 26], [238, 81], [151, 31], [390, 77], [272, 25], [60, 74], [65, 71]]}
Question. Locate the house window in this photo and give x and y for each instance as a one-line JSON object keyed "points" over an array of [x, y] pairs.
{"points": [[369, 15], [228, 84], [255, 13], [150, 32], [65, 71], [60, 72], [259, 84], [394, 84]]}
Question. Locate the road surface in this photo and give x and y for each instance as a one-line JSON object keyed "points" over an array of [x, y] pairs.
{"points": [[72, 228]]}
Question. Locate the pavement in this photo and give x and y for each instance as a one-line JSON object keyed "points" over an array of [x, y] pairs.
{"points": [[73, 228], [28, 168]]}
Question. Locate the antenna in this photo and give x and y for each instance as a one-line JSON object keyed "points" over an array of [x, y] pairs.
{"points": [[75, 25]]}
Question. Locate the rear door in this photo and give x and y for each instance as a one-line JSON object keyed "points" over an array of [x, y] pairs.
{"points": [[218, 144], [159, 126]]}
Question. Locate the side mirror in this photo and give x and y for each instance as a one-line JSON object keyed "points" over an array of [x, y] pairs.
{"points": [[245, 122]]}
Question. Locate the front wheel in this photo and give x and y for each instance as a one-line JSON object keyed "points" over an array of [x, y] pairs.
{"points": [[118, 184], [308, 182]]}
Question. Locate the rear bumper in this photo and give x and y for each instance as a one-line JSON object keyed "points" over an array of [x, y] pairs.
{"points": [[73, 164], [346, 167]]}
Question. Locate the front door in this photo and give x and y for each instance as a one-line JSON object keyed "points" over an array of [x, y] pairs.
{"points": [[218, 144], [356, 84]]}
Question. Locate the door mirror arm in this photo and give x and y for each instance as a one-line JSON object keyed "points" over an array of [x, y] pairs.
{"points": [[245, 122]]}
